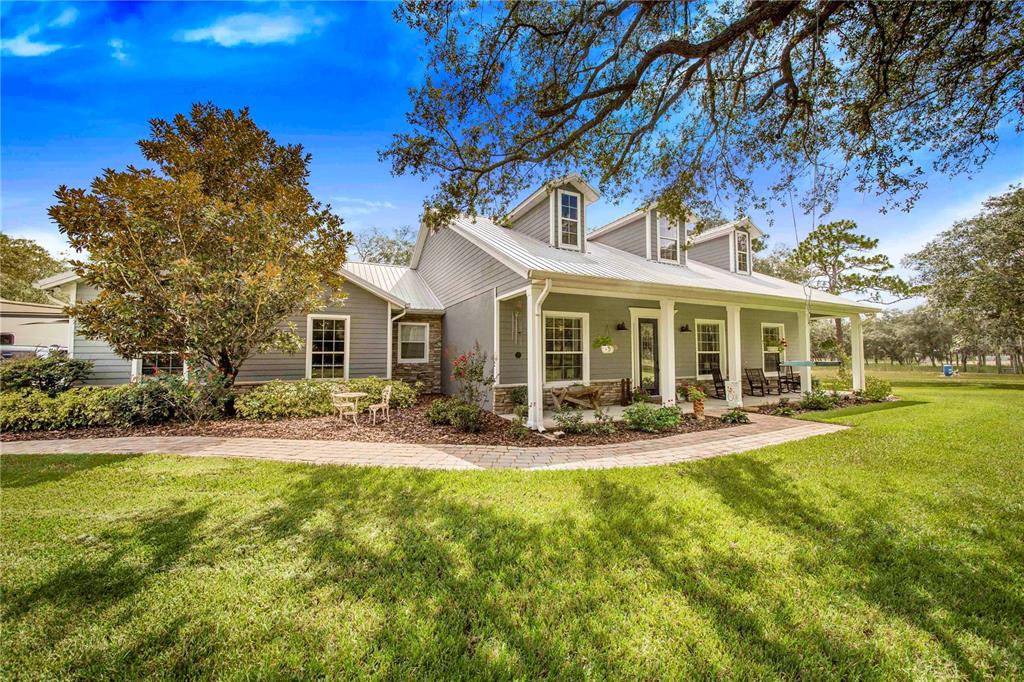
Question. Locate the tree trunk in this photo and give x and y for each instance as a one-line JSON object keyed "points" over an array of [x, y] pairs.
{"points": [[839, 335]]}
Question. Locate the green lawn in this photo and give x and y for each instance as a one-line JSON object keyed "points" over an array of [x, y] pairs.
{"points": [[892, 550]]}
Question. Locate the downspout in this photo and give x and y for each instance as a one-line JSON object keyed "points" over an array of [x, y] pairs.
{"points": [[537, 354], [391, 334]]}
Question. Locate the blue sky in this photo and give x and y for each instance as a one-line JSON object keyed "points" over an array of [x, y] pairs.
{"points": [[80, 81]]}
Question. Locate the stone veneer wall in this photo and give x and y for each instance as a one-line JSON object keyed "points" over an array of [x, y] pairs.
{"points": [[429, 372], [610, 395]]}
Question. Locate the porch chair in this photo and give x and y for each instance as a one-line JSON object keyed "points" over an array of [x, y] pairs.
{"points": [[719, 382], [790, 378], [759, 384], [383, 406], [345, 406]]}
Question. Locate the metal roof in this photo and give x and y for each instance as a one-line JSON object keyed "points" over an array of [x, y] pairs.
{"points": [[401, 282], [726, 228], [533, 258]]}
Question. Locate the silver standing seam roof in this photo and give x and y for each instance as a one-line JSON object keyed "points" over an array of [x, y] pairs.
{"points": [[533, 258], [401, 282]]}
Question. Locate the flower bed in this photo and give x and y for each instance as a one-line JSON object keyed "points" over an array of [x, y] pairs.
{"points": [[408, 425]]}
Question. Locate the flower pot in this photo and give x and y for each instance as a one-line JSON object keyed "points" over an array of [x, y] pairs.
{"points": [[607, 350], [698, 410]]}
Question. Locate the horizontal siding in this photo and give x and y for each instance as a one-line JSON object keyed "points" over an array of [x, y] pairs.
{"points": [[457, 270], [750, 335], [536, 222], [629, 238], [368, 327], [513, 369], [467, 324], [712, 252], [686, 342], [107, 366]]}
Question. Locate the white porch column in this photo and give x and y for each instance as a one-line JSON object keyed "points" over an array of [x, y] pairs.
{"points": [[734, 384], [535, 295], [804, 334], [667, 346], [857, 347]]}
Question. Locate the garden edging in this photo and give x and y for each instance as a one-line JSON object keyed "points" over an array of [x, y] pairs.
{"points": [[763, 431]]}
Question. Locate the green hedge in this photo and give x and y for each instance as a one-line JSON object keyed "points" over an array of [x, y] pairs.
{"points": [[153, 401], [51, 375], [312, 397]]}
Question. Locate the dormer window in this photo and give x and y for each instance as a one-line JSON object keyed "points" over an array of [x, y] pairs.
{"points": [[668, 241], [742, 252], [570, 229]]}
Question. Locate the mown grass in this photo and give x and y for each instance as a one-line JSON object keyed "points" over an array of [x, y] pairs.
{"points": [[892, 550]]}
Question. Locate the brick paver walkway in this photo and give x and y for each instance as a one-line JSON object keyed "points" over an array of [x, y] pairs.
{"points": [[764, 430]]}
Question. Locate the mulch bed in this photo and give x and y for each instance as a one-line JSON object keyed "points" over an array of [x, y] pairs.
{"points": [[406, 426]]}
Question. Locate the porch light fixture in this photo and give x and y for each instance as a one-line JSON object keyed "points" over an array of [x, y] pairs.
{"points": [[685, 328], [621, 326]]}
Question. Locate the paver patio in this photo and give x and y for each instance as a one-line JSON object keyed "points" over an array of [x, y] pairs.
{"points": [[764, 430]]}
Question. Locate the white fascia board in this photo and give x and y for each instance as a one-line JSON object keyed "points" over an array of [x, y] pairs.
{"points": [[373, 289], [617, 223], [417, 250], [52, 281]]}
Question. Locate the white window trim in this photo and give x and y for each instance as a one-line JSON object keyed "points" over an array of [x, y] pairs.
{"points": [[136, 371], [579, 220], [585, 344], [426, 343], [736, 237], [309, 340], [722, 358], [782, 351], [679, 246]]}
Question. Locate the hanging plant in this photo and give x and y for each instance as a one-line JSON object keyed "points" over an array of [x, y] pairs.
{"points": [[605, 343]]}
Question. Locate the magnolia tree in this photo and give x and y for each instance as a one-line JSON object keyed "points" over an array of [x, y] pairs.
{"points": [[209, 251]]}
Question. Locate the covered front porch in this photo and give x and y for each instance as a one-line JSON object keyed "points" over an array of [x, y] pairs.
{"points": [[557, 334]]}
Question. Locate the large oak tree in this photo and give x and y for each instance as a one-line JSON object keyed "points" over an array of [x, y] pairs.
{"points": [[684, 102], [206, 253]]}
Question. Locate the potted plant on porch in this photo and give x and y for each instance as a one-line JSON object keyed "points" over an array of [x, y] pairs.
{"points": [[696, 396]]}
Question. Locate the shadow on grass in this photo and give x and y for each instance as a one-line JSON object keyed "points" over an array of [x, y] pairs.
{"points": [[911, 576], [1015, 384], [625, 584], [22, 471]]}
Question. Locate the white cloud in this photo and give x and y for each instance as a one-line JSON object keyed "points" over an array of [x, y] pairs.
{"points": [[255, 29], [351, 206], [48, 238], [22, 45], [117, 49], [65, 18]]}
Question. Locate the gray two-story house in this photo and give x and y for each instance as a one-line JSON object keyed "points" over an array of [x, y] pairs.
{"points": [[535, 292]]}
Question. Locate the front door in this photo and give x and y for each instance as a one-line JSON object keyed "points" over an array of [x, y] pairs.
{"points": [[647, 355]]}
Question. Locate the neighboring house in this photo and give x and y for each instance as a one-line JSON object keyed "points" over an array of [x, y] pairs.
{"points": [[28, 326], [534, 292]]}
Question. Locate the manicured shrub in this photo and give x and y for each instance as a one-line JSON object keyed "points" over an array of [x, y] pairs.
{"points": [[25, 410], [283, 399], [402, 394], [468, 418], [647, 417], [517, 427], [735, 416], [441, 411], [570, 419], [51, 375], [876, 389], [603, 424], [818, 399]]}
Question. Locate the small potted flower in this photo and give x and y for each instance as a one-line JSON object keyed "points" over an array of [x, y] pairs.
{"points": [[696, 396], [605, 344]]}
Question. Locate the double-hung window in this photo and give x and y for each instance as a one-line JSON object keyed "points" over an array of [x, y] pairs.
{"points": [[773, 352], [569, 224], [566, 358], [710, 337], [327, 346], [743, 252], [412, 341], [668, 240]]}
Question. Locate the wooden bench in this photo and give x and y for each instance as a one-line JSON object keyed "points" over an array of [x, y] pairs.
{"points": [[584, 396]]}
